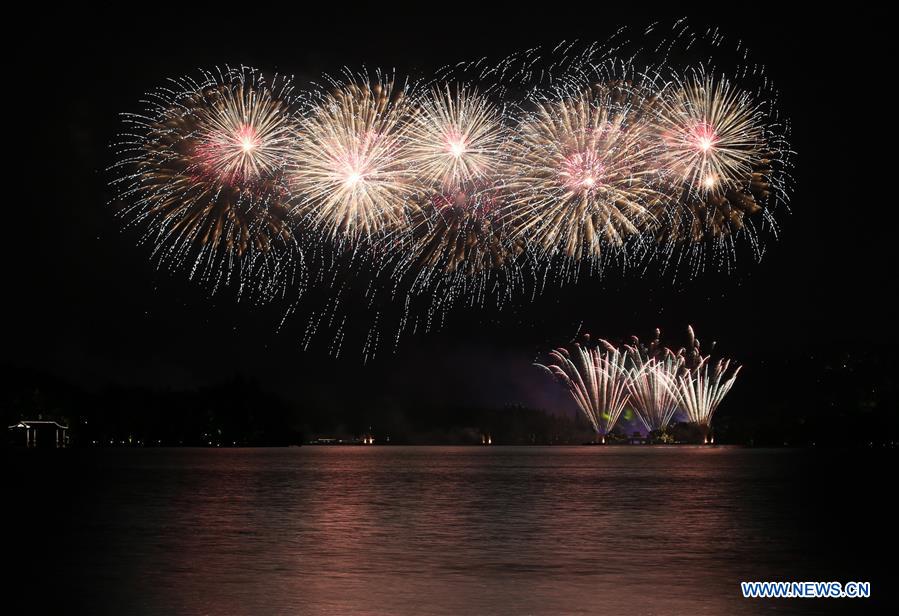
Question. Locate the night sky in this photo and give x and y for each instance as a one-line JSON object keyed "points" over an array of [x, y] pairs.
{"points": [[88, 306]]}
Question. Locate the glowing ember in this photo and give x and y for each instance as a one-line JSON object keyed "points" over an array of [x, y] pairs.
{"points": [[583, 170], [353, 177], [248, 140], [704, 137], [457, 148]]}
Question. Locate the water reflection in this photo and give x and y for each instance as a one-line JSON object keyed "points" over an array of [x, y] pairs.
{"points": [[436, 531]]}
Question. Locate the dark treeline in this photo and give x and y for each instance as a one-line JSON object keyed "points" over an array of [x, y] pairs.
{"points": [[836, 394], [239, 412], [832, 397]]}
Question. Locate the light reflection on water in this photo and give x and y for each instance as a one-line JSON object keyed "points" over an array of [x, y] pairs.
{"points": [[441, 530]]}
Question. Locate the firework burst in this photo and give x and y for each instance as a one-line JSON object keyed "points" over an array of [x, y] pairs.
{"points": [[584, 175], [716, 155], [350, 170], [494, 178], [202, 172], [713, 134], [456, 138]]}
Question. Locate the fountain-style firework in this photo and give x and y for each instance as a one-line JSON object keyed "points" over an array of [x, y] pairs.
{"points": [[654, 380], [596, 377], [700, 390], [651, 395]]}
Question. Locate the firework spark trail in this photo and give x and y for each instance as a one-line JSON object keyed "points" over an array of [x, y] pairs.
{"points": [[457, 250], [700, 391], [244, 137], [725, 162], [597, 380], [649, 385], [458, 145], [713, 134]]}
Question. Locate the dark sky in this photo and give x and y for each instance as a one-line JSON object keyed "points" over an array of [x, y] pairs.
{"points": [[87, 305]]}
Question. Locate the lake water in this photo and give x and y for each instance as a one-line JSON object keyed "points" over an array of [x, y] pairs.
{"points": [[444, 530]]}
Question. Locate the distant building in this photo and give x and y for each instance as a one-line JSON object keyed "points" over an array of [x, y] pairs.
{"points": [[637, 438], [365, 439], [323, 440], [38, 433]]}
